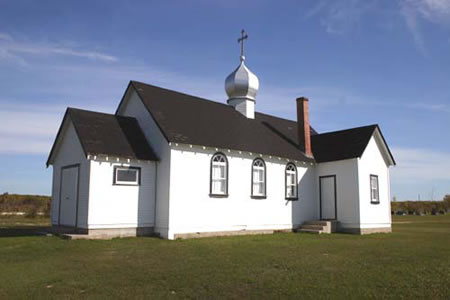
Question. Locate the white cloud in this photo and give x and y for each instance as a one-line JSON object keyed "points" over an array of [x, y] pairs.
{"points": [[14, 50], [6, 37], [21, 145], [435, 107], [435, 11], [27, 129], [338, 16], [418, 165], [29, 123], [420, 173], [410, 15], [29, 126], [432, 11]]}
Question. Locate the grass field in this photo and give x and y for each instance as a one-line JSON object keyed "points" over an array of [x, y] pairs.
{"points": [[412, 262]]}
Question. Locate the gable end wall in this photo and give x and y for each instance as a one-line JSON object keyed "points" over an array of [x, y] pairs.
{"points": [[373, 162], [68, 152], [132, 106]]}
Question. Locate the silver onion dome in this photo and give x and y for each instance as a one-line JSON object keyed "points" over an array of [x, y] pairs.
{"points": [[242, 83]]}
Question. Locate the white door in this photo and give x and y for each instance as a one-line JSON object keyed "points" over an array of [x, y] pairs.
{"points": [[69, 196], [328, 197]]}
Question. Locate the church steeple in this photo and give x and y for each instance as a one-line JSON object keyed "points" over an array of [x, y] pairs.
{"points": [[242, 85]]}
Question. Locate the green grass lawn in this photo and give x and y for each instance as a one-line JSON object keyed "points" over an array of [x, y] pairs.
{"points": [[412, 262]]}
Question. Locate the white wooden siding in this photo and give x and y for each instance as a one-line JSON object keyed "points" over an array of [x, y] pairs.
{"points": [[69, 152], [132, 106], [372, 162], [347, 199], [121, 206], [192, 209]]}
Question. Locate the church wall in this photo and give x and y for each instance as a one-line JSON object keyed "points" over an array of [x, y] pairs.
{"points": [[347, 199], [120, 206], [132, 106], [193, 210], [372, 162], [70, 152]]}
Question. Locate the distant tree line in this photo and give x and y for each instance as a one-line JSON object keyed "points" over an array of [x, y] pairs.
{"points": [[421, 207], [31, 205]]}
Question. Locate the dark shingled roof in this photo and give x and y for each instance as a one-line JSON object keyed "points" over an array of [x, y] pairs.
{"points": [[343, 144], [107, 134], [191, 120]]}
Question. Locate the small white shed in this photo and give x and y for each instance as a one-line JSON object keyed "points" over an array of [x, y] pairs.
{"points": [[353, 176], [104, 175]]}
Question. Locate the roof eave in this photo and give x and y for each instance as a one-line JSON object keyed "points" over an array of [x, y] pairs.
{"points": [[155, 158], [386, 147]]}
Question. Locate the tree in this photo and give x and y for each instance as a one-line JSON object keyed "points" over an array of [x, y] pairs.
{"points": [[446, 202]]}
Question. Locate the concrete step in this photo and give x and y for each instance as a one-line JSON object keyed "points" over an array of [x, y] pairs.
{"points": [[321, 223], [314, 231], [76, 236], [312, 226]]}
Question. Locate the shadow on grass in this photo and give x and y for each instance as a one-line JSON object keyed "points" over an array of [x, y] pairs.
{"points": [[21, 226], [22, 231]]}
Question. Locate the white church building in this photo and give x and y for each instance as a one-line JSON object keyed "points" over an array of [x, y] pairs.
{"points": [[178, 166]]}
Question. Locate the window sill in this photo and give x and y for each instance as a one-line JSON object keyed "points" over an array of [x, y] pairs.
{"points": [[218, 195], [373, 202], [126, 184], [258, 197], [291, 199]]}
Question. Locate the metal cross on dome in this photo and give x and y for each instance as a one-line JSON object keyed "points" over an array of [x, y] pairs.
{"points": [[243, 37]]}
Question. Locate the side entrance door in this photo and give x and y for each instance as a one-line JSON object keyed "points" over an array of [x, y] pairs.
{"points": [[328, 205], [68, 201]]}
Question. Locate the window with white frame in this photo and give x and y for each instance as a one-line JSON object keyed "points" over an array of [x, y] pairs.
{"points": [[219, 175], [258, 178], [291, 182], [374, 191], [126, 175]]}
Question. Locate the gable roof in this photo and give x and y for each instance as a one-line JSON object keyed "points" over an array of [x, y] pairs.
{"points": [[192, 120], [344, 144], [106, 134]]}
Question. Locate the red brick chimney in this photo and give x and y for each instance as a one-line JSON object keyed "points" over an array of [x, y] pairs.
{"points": [[304, 133]]}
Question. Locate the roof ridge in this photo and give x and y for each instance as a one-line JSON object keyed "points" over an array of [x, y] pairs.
{"points": [[98, 112], [204, 99], [345, 130], [272, 116], [87, 110], [181, 93]]}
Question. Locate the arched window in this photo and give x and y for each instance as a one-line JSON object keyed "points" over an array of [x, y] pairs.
{"points": [[258, 178], [219, 175], [291, 182]]}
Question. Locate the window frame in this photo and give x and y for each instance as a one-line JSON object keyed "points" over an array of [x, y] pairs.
{"points": [[225, 195], [127, 183], [372, 200], [264, 195], [286, 183]]}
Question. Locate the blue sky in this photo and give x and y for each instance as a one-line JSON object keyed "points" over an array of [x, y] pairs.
{"points": [[358, 61]]}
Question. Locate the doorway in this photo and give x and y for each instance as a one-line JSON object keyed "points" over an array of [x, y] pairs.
{"points": [[328, 201], [68, 197]]}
